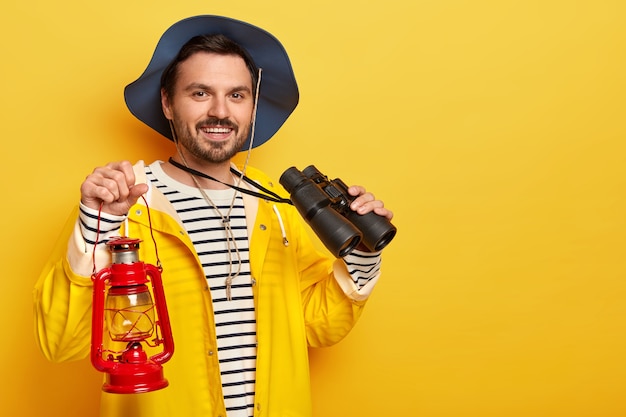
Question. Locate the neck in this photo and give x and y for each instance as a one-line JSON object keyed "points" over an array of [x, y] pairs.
{"points": [[219, 171]]}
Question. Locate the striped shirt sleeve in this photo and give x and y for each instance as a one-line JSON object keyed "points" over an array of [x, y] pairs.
{"points": [[363, 267], [98, 226]]}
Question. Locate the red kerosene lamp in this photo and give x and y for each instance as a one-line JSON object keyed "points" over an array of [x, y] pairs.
{"points": [[130, 319]]}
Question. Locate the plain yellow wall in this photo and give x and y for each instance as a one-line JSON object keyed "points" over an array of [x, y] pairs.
{"points": [[494, 129]]}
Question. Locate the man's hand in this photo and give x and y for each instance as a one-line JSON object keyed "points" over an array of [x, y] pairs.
{"points": [[366, 202], [113, 186]]}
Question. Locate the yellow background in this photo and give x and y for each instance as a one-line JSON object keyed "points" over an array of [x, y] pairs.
{"points": [[494, 130]]}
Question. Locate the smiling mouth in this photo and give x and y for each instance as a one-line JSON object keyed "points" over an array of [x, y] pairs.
{"points": [[216, 130]]}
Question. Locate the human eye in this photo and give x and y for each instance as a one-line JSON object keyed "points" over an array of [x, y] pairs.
{"points": [[198, 91]]}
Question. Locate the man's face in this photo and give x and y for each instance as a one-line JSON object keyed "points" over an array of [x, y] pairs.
{"points": [[212, 105]]}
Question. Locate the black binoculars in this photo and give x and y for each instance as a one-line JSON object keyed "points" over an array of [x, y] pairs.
{"points": [[325, 206]]}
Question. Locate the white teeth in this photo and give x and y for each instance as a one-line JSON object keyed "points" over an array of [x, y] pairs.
{"points": [[217, 130]]}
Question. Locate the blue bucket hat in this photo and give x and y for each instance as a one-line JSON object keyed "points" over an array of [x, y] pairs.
{"points": [[278, 93]]}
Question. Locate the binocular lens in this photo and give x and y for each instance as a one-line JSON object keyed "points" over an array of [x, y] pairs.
{"points": [[377, 231], [338, 235], [384, 241]]}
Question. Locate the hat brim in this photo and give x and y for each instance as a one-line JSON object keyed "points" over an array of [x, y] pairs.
{"points": [[278, 94]]}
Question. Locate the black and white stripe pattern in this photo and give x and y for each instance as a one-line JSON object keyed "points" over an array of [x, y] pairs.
{"points": [[91, 220], [362, 266], [235, 319]]}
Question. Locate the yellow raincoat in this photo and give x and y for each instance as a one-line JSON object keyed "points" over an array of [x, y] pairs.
{"points": [[302, 299]]}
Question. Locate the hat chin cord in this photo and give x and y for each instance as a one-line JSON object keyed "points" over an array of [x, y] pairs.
{"points": [[253, 127]]}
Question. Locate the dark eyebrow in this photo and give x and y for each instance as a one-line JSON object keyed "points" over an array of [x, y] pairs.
{"points": [[197, 86], [201, 86]]}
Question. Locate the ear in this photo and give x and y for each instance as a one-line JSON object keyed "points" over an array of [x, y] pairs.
{"points": [[166, 105]]}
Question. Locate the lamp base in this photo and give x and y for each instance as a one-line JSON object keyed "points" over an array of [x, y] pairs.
{"points": [[129, 378]]}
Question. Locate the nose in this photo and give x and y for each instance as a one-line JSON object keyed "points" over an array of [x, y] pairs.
{"points": [[218, 108]]}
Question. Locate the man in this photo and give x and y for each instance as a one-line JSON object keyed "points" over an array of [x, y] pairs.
{"points": [[246, 291]]}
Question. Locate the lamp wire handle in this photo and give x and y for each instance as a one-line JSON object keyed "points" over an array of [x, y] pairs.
{"points": [[156, 250]]}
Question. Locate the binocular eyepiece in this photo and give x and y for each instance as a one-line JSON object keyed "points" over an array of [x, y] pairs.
{"points": [[325, 206]]}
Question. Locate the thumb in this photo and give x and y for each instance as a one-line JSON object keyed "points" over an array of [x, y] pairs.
{"points": [[137, 191]]}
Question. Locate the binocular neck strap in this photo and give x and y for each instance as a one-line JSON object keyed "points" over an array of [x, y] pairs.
{"points": [[269, 196]]}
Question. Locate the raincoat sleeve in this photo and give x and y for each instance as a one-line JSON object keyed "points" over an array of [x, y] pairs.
{"points": [[332, 298], [63, 294]]}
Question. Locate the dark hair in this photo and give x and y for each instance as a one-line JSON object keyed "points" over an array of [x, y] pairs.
{"points": [[217, 44]]}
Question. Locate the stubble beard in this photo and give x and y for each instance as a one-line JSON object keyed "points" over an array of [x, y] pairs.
{"points": [[208, 151]]}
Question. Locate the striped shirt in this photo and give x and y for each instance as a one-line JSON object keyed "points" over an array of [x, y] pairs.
{"points": [[222, 253]]}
